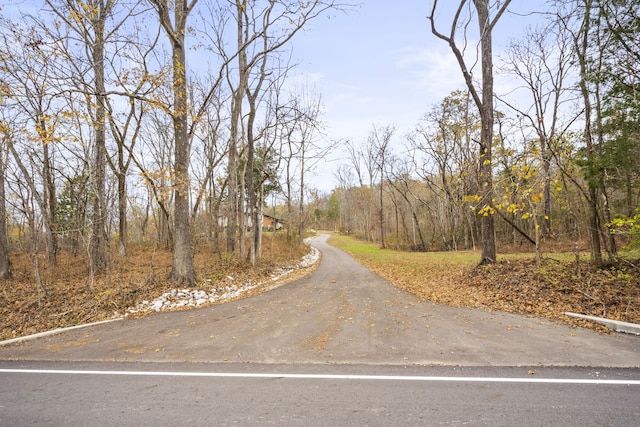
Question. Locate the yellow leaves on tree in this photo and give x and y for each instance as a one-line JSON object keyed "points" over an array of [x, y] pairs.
{"points": [[84, 12], [164, 181], [486, 210]]}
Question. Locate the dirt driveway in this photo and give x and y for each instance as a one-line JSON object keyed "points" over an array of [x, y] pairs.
{"points": [[341, 313]]}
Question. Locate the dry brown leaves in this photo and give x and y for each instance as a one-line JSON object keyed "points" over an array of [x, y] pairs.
{"points": [[552, 287], [525, 287], [142, 275]]}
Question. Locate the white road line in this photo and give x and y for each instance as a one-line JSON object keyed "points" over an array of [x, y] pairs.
{"points": [[530, 380]]}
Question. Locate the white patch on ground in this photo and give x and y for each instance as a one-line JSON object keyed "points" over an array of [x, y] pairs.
{"points": [[178, 298]]}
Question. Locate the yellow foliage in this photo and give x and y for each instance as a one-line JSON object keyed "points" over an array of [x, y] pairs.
{"points": [[512, 208], [486, 210], [471, 198]]}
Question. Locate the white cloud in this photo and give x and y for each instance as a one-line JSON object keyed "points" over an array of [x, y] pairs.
{"points": [[305, 78], [433, 69]]}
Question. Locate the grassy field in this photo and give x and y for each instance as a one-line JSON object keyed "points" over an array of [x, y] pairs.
{"points": [[516, 283]]}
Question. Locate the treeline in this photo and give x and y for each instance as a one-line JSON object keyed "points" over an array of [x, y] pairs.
{"points": [[566, 149], [173, 122], [150, 121]]}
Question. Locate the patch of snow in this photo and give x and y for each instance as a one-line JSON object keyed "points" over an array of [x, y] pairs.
{"points": [[177, 298]]}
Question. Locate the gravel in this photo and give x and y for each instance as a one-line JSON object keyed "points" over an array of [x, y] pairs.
{"points": [[179, 298]]}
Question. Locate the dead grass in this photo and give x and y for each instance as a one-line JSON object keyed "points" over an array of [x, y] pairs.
{"points": [[515, 284], [141, 275]]}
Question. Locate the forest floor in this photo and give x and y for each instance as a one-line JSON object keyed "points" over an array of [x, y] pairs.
{"points": [[515, 284], [138, 285]]}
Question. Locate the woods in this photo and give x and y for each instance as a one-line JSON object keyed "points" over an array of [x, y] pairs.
{"points": [[174, 124], [535, 161], [148, 121]]}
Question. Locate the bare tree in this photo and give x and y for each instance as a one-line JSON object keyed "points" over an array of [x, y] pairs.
{"points": [[356, 157], [125, 124], [88, 22], [30, 103], [302, 152], [176, 27], [262, 30], [400, 179], [5, 262], [262, 157], [483, 97], [542, 64], [235, 126], [344, 176], [310, 152], [379, 139]]}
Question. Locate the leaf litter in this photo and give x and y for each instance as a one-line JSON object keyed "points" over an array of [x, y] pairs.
{"points": [[523, 286], [137, 285]]}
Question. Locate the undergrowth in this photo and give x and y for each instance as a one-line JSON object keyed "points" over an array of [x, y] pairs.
{"points": [[70, 297]]}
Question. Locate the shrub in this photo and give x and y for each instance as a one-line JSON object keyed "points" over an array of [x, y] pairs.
{"points": [[629, 227]]}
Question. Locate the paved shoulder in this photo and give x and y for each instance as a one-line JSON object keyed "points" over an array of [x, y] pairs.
{"points": [[341, 313]]}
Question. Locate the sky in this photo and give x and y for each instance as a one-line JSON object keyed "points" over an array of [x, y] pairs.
{"points": [[380, 65]]}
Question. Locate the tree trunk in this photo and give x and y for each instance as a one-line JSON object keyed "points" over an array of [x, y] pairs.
{"points": [[250, 182], [235, 126], [609, 238], [122, 214], [301, 203], [5, 262], [486, 135], [582, 45], [260, 215], [99, 251], [242, 218], [232, 187], [49, 195], [546, 159], [382, 242], [182, 268]]}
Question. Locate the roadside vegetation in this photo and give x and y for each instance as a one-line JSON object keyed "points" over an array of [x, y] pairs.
{"points": [[66, 298], [515, 284]]}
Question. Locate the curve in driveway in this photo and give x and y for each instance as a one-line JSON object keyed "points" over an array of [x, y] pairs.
{"points": [[341, 313]]}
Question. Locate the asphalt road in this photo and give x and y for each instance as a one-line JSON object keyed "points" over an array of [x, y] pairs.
{"points": [[340, 321], [152, 394]]}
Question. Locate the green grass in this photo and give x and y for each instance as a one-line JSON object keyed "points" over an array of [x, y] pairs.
{"points": [[373, 253], [463, 258], [356, 247]]}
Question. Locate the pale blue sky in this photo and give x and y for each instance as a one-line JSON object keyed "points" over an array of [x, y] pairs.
{"points": [[379, 64]]}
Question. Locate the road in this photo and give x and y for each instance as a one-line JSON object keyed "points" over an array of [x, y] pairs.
{"points": [[140, 394], [340, 320]]}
